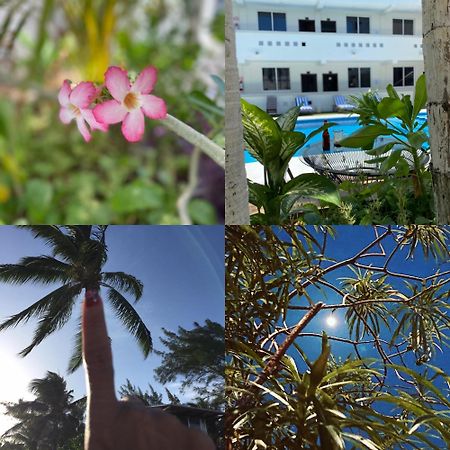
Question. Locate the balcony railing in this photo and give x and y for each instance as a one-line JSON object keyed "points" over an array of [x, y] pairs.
{"points": [[300, 46]]}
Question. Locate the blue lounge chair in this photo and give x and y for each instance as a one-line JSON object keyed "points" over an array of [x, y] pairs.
{"points": [[305, 105], [342, 105]]}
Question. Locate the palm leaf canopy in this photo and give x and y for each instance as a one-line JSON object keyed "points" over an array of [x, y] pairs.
{"points": [[78, 254]]}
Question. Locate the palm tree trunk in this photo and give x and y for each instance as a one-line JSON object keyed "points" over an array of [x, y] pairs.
{"points": [[436, 51], [236, 193]]}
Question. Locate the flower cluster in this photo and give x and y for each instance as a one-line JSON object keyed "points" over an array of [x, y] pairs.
{"points": [[129, 103]]}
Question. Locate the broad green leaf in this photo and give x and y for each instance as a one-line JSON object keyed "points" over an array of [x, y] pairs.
{"points": [[402, 168], [38, 198], [417, 139], [365, 137], [391, 160], [258, 194], [288, 120], [407, 115], [319, 367], [377, 151], [389, 107], [202, 212], [261, 133], [391, 91], [138, 196], [420, 96], [291, 142]]}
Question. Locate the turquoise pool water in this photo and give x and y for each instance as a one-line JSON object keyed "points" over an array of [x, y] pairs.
{"points": [[345, 126]]}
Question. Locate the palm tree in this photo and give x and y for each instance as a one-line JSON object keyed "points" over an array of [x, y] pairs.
{"points": [[236, 191], [49, 421], [78, 255], [436, 32]]}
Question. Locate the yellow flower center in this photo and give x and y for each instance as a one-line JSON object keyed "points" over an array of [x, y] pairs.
{"points": [[131, 100], [75, 109]]}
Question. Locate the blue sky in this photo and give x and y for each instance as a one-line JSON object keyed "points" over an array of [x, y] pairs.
{"points": [[183, 274]]}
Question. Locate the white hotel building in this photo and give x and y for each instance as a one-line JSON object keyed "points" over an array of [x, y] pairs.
{"points": [[323, 48]]}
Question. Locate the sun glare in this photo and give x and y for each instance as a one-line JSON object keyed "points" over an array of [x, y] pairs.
{"points": [[331, 321]]}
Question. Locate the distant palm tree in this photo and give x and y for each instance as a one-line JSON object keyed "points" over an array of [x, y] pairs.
{"points": [[49, 421], [78, 255]]}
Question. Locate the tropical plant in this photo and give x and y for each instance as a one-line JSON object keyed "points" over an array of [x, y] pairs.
{"points": [[49, 422], [279, 280], [436, 29], [78, 256], [273, 142]]}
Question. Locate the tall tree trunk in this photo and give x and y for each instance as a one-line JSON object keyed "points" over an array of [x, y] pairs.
{"points": [[436, 51], [236, 192]]}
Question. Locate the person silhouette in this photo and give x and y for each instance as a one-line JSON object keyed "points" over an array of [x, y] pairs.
{"points": [[112, 424]]}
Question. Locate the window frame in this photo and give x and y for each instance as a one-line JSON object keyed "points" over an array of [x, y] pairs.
{"points": [[310, 21], [322, 22], [275, 18], [277, 78], [336, 76], [311, 76]]}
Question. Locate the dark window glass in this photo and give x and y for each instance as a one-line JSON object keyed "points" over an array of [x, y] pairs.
{"points": [[269, 82], [365, 77], [397, 26], [364, 25], [279, 22], [328, 26], [265, 21], [284, 79], [398, 76], [352, 24], [309, 82], [409, 76], [409, 27], [330, 82], [306, 25], [353, 78]]}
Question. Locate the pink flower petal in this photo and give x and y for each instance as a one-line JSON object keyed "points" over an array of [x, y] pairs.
{"points": [[109, 112], [88, 116], [133, 125], [65, 115], [117, 82], [83, 129], [83, 94], [145, 81], [154, 107], [64, 92]]}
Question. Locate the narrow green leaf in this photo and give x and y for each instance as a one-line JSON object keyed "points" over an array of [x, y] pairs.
{"points": [[420, 96]]}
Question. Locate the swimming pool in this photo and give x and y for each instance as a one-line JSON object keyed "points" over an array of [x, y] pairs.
{"points": [[343, 128]]}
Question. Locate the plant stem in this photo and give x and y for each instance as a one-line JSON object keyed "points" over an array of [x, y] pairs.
{"points": [[207, 146]]}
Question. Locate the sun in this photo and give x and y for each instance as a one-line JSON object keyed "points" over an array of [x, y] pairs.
{"points": [[331, 321]]}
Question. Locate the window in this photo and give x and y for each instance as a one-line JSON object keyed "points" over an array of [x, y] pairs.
{"points": [[400, 26], [359, 77], [276, 79], [265, 21], [330, 82], [306, 25], [309, 82], [268, 21], [328, 26], [403, 76], [358, 25]]}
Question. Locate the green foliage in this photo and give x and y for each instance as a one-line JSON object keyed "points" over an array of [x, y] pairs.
{"points": [[275, 278], [273, 143]]}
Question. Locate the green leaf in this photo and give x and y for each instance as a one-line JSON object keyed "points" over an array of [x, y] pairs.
{"points": [[138, 196], [380, 150], [324, 127], [364, 137], [292, 141], [417, 139], [319, 367], [288, 120], [391, 160], [261, 133], [391, 91], [204, 104], [420, 96], [258, 194], [359, 440], [389, 107], [38, 198], [202, 212]]}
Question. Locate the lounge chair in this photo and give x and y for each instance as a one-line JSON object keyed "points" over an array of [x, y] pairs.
{"points": [[271, 106], [342, 105], [304, 103]]}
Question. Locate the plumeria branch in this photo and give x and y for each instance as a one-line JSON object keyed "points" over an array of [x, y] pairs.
{"points": [[206, 145]]}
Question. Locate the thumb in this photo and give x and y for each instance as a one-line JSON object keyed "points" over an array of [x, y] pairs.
{"points": [[97, 355]]}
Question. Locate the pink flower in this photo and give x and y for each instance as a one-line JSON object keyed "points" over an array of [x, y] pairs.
{"points": [[75, 105], [130, 103]]}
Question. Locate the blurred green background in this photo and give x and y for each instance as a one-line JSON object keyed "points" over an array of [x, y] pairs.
{"points": [[48, 174]]}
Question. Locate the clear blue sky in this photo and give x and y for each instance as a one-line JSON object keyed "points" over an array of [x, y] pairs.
{"points": [[183, 274]]}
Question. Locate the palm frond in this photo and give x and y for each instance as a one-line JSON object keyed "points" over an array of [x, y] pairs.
{"points": [[56, 315], [62, 244], [125, 283], [39, 308], [130, 318], [77, 354]]}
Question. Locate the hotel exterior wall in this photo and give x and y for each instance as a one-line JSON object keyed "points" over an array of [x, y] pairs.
{"points": [[381, 76], [246, 17], [302, 46]]}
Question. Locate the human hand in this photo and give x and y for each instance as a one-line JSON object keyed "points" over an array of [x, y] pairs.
{"points": [[120, 425]]}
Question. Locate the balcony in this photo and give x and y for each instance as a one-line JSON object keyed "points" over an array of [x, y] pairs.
{"points": [[324, 47]]}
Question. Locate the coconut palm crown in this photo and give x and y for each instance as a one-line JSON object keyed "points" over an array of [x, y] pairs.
{"points": [[78, 256]]}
